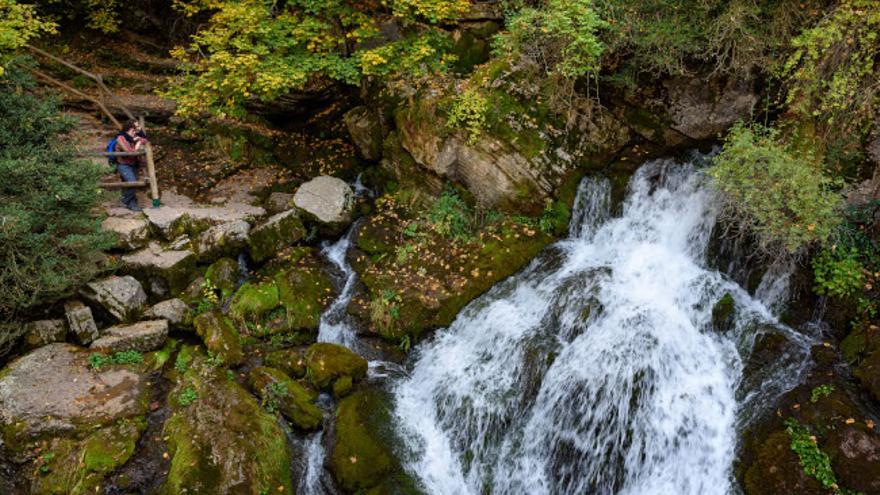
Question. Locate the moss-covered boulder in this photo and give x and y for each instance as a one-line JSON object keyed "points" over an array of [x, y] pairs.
{"points": [[290, 361], [304, 291], [78, 466], [326, 363], [221, 441], [722, 313], [362, 455], [223, 274], [777, 470], [279, 231], [295, 401], [220, 336], [253, 300]]}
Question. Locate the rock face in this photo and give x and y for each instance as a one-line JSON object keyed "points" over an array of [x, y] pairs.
{"points": [[52, 391], [278, 232], [221, 240], [164, 270], [365, 131], [122, 297], [43, 332], [701, 110], [175, 311], [327, 200], [144, 336], [81, 321], [294, 401], [219, 336], [222, 441], [131, 233]]}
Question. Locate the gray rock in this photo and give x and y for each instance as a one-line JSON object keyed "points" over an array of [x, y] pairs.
{"points": [[326, 199], [365, 131], [278, 202], [81, 322], [701, 109], [52, 390], [143, 336], [171, 221], [122, 297], [175, 311], [163, 270], [278, 232], [131, 233], [224, 239], [43, 332]]}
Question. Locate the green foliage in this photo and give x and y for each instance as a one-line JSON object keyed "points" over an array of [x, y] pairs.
{"points": [[562, 37], [450, 216], [98, 361], [772, 192], [187, 397], [820, 391], [837, 272], [18, 24], [274, 392], [181, 363], [815, 462], [848, 267], [468, 111], [48, 232], [257, 49], [554, 218], [209, 299]]}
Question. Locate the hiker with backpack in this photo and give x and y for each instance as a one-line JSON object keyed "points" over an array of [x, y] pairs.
{"points": [[131, 138]]}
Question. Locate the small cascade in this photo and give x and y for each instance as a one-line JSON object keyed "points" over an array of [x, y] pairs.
{"points": [[335, 325]]}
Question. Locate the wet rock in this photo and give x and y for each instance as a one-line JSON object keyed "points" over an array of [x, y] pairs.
{"points": [[824, 355], [325, 363], [278, 202], [855, 457], [278, 232], [293, 400], [81, 322], [220, 440], [131, 233], [144, 336], [290, 361], [365, 131], [175, 311], [224, 274], [222, 240], [166, 271], [777, 470], [43, 332], [122, 297], [722, 313], [326, 200], [220, 336], [52, 391]]}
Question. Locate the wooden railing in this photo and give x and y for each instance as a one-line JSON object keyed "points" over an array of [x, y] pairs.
{"points": [[101, 103]]}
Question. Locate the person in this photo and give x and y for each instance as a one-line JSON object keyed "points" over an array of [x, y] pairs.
{"points": [[131, 138]]}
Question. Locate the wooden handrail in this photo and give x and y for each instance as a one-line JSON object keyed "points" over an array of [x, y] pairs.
{"points": [[112, 153], [51, 80]]}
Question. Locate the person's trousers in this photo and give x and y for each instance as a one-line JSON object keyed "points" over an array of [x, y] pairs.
{"points": [[129, 173]]}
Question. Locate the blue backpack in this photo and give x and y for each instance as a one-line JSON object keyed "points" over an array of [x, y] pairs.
{"points": [[111, 147]]}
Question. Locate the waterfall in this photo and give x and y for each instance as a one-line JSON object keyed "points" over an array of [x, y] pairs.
{"points": [[335, 325], [595, 369]]}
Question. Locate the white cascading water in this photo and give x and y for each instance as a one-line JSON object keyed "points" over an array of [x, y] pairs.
{"points": [[334, 325], [595, 370]]}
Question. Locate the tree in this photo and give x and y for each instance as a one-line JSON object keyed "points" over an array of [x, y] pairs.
{"points": [[18, 24]]}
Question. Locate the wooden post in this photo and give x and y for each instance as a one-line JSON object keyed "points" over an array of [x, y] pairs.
{"points": [[151, 174]]}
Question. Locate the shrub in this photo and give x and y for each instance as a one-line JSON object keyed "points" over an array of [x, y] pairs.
{"points": [[18, 24], [450, 216], [48, 232], [777, 195], [468, 111]]}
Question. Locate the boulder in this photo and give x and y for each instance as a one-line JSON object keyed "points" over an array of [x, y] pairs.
{"points": [[166, 271], [278, 202], [365, 131], [224, 275], [278, 232], [722, 313], [304, 291], [175, 311], [777, 470], [222, 240], [253, 300], [121, 297], [186, 218], [43, 332], [143, 336], [855, 456], [81, 322], [701, 109], [327, 200], [131, 233], [326, 363], [290, 361], [52, 391], [289, 397], [221, 441], [220, 336]]}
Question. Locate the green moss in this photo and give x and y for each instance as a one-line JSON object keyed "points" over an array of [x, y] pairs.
{"points": [[325, 363], [224, 274], [266, 241], [290, 361], [360, 458], [294, 401], [722, 313], [253, 300], [342, 387], [219, 336], [304, 292]]}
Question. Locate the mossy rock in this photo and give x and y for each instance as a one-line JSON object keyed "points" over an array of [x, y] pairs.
{"points": [[722, 313], [325, 363], [222, 441], [295, 401], [253, 300], [220, 336], [304, 291], [777, 470], [279, 231], [78, 466], [290, 361], [224, 275], [362, 456], [868, 373]]}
